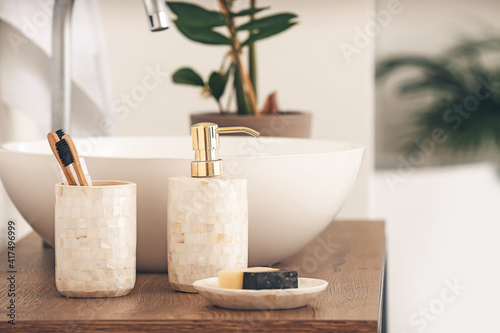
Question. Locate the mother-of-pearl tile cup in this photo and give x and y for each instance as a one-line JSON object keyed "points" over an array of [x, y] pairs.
{"points": [[95, 239]]}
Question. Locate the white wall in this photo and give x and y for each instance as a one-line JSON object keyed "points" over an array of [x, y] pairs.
{"points": [[305, 65]]}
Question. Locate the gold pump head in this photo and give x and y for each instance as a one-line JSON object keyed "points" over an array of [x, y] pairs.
{"points": [[206, 147]]}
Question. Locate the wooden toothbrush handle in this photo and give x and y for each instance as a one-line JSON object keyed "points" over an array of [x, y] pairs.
{"points": [[76, 163], [53, 139]]}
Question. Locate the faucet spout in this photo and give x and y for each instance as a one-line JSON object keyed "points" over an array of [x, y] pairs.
{"points": [[156, 10], [61, 65]]}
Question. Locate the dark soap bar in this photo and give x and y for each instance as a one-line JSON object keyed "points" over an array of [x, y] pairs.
{"points": [[270, 280]]}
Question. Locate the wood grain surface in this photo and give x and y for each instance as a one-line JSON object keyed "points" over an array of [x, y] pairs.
{"points": [[350, 255]]}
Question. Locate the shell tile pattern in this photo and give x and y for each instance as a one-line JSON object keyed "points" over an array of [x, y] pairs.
{"points": [[95, 235], [207, 228]]}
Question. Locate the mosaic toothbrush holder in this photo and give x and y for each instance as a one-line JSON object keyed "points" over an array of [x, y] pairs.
{"points": [[95, 239]]}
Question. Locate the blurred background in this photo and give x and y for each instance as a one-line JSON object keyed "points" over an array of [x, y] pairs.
{"points": [[413, 81], [436, 181]]}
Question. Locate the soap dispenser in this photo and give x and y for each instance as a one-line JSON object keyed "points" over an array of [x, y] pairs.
{"points": [[207, 222]]}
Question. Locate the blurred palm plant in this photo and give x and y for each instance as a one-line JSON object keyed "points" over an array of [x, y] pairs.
{"points": [[202, 25], [456, 91]]}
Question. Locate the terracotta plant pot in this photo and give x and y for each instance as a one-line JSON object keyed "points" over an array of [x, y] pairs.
{"points": [[284, 124]]}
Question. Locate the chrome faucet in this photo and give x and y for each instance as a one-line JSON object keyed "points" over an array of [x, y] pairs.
{"points": [[156, 12]]}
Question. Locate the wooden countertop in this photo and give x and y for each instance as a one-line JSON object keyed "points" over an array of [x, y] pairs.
{"points": [[350, 255]]}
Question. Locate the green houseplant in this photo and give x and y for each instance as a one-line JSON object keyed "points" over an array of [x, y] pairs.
{"points": [[224, 28], [458, 95]]}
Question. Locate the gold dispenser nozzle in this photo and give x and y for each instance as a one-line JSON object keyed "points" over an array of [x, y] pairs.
{"points": [[206, 147]]}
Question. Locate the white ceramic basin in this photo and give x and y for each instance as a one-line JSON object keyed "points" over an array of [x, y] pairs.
{"points": [[296, 187]]}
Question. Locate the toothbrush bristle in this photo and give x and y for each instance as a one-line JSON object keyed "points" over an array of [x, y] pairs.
{"points": [[60, 133], [64, 152]]}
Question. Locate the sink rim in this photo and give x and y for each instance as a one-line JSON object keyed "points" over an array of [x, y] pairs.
{"points": [[348, 147]]}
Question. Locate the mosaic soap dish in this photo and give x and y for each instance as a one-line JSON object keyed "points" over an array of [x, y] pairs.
{"points": [[269, 299]]}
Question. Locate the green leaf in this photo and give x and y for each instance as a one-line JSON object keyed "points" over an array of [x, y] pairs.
{"points": [[202, 35], [196, 16], [217, 84], [250, 11], [242, 102], [268, 22], [186, 75], [268, 33], [267, 26], [434, 67]]}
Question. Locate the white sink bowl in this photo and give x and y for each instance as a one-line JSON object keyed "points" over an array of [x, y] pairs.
{"points": [[296, 187]]}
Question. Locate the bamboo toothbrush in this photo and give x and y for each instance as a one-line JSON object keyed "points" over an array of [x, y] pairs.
{"points": [[53, 141], [76, 159], [60, 133]]}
